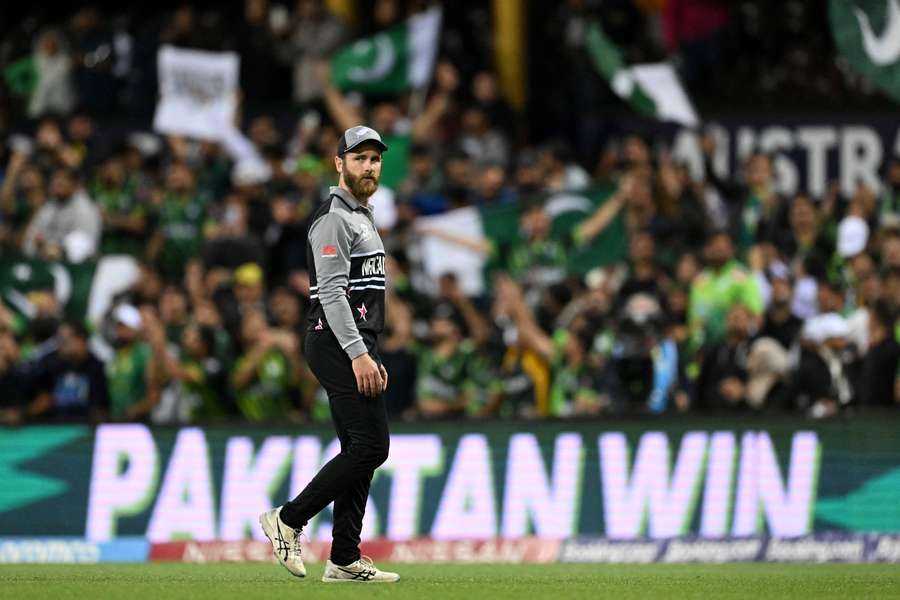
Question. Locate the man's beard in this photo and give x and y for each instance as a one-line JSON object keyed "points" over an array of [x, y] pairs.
{"points": [[362, 187]]}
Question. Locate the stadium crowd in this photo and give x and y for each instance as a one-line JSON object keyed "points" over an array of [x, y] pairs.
{"points": [[755, 303]]}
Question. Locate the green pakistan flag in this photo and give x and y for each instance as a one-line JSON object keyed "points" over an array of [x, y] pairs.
{"points": [[867, 32]]}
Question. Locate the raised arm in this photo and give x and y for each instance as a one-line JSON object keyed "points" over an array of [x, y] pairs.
{"points": [[474, 244], [591, 227], [342, 112], [425, 124], [530, 333]]}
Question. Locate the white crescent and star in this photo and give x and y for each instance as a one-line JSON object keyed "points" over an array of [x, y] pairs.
{"points": [[385, 57]]}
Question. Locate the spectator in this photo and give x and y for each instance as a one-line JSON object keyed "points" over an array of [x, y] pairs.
{"points": [[173, 312], [180, 213], [890, 245], [312, 34], [124, 215], [68, 225], [53, 64], [70, 382], [81, 143], [23, 193], [561, 173], [486, 95], [681, 206], [441, 372], [804, 238], [194, 379], [231, 244], [779, 322], [880, 366], [820, 385], [420, 192], [131, 373], [480, 140], [756, 212], [491, 187], [266, 370], [767, 367], [722, 284], [536, 258], [642, 374], [248, 288], [644, 276], [722, 384]]}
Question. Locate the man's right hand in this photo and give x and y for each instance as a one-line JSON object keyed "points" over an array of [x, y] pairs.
{"points": [[368, 378]]}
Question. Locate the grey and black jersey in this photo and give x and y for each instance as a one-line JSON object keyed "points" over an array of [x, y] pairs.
{"points": [[345, 255]]}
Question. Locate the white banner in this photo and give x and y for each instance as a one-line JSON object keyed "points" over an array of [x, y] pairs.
{"points": [[197, 92], [440, 255]]}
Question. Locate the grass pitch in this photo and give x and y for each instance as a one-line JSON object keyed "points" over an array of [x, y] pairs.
{"points": [[470, 582]]}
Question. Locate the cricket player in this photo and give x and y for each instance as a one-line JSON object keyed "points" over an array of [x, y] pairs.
{"points": [[346, 275]]}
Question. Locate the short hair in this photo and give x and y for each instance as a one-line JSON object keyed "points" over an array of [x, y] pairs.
{"points": [[68, 171], [78, 328], [883, 313]]}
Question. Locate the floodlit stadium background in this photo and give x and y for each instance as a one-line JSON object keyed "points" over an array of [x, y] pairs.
{"points": [[643, 290]]}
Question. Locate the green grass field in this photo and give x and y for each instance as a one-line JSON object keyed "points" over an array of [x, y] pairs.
{"points": [[523, 582]]}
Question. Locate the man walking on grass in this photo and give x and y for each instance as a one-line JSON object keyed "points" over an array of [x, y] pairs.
{"points": [[346, 275]]}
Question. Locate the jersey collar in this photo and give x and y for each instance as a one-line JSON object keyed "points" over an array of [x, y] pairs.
{"points": [[348, 199]]}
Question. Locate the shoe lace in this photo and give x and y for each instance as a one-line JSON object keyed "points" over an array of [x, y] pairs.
{"points": [[367, 561], [298, 534]]}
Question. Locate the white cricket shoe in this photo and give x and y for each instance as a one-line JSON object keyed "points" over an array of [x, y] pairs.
{"points": [[285, 541], [361, 571]]}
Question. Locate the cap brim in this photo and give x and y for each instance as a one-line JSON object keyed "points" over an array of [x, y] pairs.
{"points": [[378, 143]]}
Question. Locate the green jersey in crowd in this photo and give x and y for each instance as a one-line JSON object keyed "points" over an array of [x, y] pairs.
{"points": [[267, 396], [119, 202], [713, 294], [126, 375], [444, 379], [483, 382], [539, 261], [181, 220], [201, 393], [573, 385]]}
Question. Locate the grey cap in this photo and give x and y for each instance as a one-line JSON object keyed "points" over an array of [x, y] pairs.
{"points": [[355, 136]]}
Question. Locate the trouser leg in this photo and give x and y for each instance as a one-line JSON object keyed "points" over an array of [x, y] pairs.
{"points": [[361, 425]]}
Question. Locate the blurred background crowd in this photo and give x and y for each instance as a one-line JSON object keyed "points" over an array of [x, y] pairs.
{"points": [[758, 301]]}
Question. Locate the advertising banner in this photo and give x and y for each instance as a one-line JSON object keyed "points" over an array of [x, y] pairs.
{"points": [[809, 153], [637, 481]]}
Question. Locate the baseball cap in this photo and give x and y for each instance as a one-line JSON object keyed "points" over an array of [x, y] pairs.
{"points": [[248, 274], [853, 234], [128, 315], [355, 136]]}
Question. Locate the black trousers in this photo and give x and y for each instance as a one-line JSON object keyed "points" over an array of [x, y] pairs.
{"points": [[361, 424]]}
